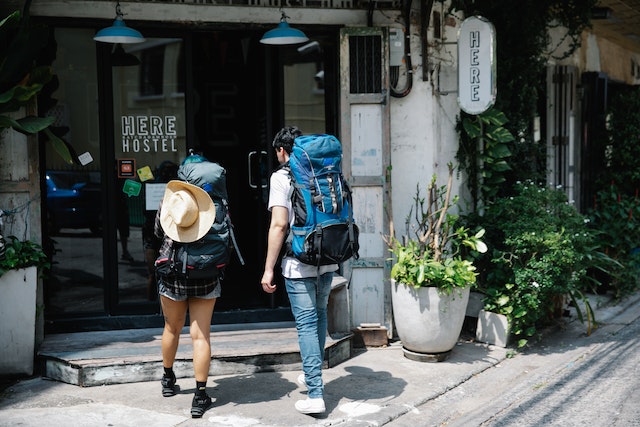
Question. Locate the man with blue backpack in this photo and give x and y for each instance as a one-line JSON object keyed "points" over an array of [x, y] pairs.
{"points": [[309, 203]]}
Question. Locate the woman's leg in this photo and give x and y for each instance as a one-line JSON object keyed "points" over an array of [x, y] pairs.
{"points": [[174, 317], [200, 312]]}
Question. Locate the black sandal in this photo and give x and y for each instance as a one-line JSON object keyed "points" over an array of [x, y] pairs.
{"points": [[199, 405], [168, 386]]}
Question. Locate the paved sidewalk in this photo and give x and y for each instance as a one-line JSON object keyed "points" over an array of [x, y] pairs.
{"points": [[377, 386]]}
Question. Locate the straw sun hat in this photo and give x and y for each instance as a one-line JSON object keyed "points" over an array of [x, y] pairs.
{"points": [[187, 212]]}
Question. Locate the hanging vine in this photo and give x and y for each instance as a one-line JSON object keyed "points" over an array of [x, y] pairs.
{"points": [[523, 51], [484, 153]]}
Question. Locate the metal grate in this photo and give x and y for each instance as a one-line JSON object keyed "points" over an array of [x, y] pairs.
{"points": [[365, 64]]}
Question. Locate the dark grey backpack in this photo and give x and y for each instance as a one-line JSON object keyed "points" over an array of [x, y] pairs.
{"points": [[207, 257]]}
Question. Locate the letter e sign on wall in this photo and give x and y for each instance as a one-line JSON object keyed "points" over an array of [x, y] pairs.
{"points": [[476, 65]]}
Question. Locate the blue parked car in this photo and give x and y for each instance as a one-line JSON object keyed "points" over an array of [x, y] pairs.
{"points": [[73, 201]]}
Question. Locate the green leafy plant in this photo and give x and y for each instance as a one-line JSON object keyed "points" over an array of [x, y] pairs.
{"points": [[615, 216], [615, 202], [21, 79], [484, 153], [16, 254], [540, 250], [438, 253]]}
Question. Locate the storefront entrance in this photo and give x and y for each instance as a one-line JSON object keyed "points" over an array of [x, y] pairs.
{"points": [[132, 113]]}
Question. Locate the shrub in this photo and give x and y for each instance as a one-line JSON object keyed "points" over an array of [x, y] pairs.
{"points": [[615, 216], [540, 250]]}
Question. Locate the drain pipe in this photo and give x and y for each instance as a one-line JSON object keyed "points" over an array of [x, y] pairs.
{"points": [[406, 14]]}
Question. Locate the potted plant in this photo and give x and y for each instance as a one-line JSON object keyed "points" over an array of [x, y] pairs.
{"points": [[16, 254], [432, 274], [19, 264]]}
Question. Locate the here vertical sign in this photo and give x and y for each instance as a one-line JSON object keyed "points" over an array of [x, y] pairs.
{"points": [[476, 65]]}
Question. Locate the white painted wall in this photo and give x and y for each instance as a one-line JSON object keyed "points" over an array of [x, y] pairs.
{"points": [[18, 321], [423, 135], [596, 54], [19, 183], [20, 203]]}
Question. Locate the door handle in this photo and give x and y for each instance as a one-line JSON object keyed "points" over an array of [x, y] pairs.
{"points": [[252, 158]]}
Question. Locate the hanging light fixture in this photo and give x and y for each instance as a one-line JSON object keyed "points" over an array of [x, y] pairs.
{"points": [[118, 32], [283, 34]]}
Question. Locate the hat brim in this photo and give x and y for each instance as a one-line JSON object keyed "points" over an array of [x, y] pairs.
{"points": [[206, 213]]}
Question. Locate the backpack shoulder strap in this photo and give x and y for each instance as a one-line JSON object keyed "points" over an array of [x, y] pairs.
{"points": [[232, 234], [285, 168]]}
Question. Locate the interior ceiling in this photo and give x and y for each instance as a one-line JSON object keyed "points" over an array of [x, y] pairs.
{"points": [[623, 25]]}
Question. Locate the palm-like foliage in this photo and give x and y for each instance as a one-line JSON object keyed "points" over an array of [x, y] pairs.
{"points": [[21, 78]]}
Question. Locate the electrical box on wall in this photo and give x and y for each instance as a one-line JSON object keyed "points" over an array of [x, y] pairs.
{"points": [[396, 47]]}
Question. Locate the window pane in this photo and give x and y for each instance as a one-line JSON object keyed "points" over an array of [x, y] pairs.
{"points": [[150, 141], [74, 217]]}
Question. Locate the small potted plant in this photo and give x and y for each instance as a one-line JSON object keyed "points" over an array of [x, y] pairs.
{"points": [[16, 254], [19, 264], [432, 274]]}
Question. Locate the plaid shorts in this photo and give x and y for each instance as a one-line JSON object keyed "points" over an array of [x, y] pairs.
{"points": [[167, 292]]}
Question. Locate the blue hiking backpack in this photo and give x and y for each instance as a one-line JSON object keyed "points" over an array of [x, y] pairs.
{"points": [[205, 258], [324, 231]]}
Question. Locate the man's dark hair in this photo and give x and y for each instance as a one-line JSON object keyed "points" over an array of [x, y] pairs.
{"points": [[285, 138]]}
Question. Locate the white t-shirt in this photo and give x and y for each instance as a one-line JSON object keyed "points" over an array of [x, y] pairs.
{"points": [[279, 195]]}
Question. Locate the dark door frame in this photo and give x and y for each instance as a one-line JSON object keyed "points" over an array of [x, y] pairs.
{"points": [[118, 315]]}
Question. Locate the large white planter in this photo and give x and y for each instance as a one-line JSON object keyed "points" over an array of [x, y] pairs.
{"points": [[428, 323], [18, 320]]}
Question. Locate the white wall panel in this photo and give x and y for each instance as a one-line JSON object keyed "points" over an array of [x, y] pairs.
{"points": [[367, 212], [368, 296], [366, 139]]}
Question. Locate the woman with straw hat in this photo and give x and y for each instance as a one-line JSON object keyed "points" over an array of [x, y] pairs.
{"points": [[186, 214]]}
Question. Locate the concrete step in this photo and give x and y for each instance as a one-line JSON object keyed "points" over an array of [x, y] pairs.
{"points": [[123, 356]]}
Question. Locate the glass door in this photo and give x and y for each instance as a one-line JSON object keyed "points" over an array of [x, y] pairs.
{"points": [[72, 211], [229, 122], [149, 142], [99, 211]]}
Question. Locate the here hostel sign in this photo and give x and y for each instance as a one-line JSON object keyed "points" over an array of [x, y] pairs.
{"points": [[476, 65], [144, 134]]}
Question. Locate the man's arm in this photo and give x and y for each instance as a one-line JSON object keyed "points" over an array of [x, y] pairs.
{"points": [[277, 233]]}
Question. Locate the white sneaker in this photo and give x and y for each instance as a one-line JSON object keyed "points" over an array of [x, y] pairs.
{"points": [[310, 405], [301, 380]]}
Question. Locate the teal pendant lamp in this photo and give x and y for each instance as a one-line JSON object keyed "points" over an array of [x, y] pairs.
{"points": [[283, 34], [118, 32]]}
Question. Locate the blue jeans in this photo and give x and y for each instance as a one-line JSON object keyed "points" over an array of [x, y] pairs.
{"points": [[309, 297]]}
